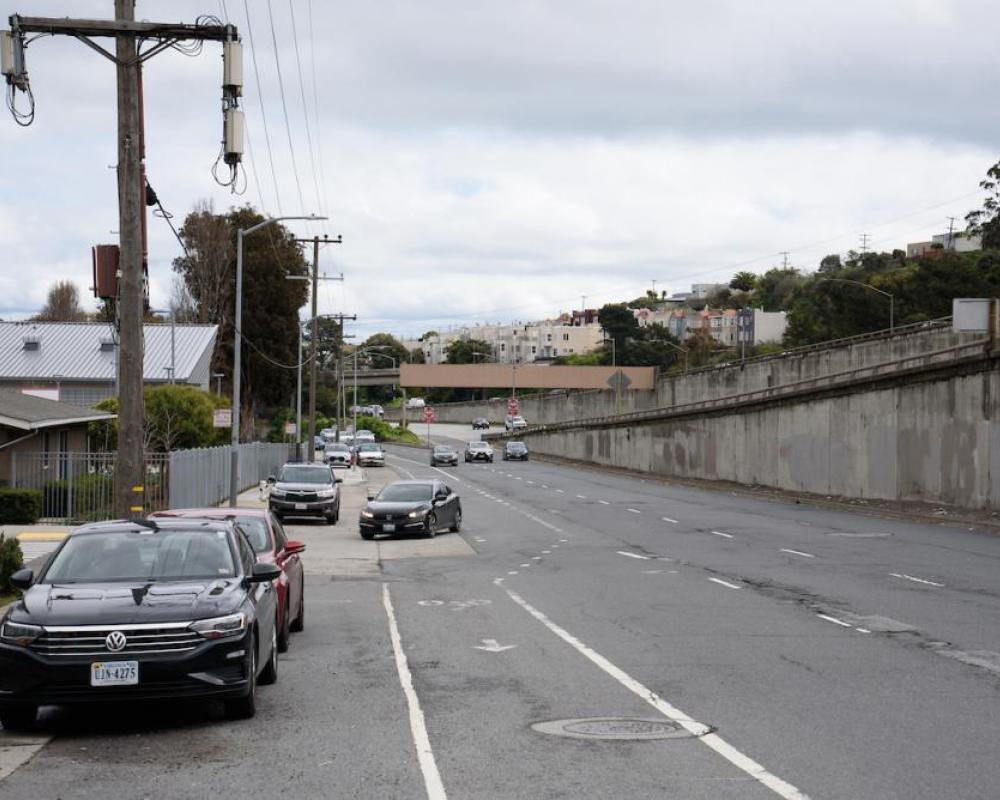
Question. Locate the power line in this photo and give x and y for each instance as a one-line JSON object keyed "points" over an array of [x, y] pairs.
{"points": [[305, 112], [284, 105], [319, 129], [263, 113]]}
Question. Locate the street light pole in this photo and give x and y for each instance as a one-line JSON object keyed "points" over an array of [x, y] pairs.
{"points": [[234, 455], [892, 300], [298, 398]]}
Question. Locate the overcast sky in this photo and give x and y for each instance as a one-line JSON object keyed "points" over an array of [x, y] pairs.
{"points": [[498, 161]]}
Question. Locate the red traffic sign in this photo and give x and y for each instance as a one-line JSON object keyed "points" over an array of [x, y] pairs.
{"points": [[512, 406], [428, 414]]}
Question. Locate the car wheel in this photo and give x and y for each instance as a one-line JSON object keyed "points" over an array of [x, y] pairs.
{"points": [[19, 717], [245, 707], [367, 535], [299, 623], [431, 526], [269, 674], [283, 631], [456, 526]]}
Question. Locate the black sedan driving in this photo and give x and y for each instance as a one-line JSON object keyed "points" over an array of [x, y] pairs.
{"points": [[515, 451], [412, 507], [480, 423], [444, 455], [124, 611]]}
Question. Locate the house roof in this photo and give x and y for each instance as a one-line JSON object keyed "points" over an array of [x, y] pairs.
{"points": [[71, 351], [28, 413]]}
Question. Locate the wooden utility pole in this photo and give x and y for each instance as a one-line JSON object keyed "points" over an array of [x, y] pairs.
{"points": [[128, 57]]}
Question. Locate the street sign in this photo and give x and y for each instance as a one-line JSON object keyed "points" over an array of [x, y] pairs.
{"points": [[513, 407], [428, 414], [222, 418], [289, 429], [619, 381]]}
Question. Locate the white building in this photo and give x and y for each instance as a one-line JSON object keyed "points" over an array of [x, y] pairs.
{"points": [[517, 343]]}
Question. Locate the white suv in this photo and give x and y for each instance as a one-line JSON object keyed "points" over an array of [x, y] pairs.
{"points": [[515, 423]]}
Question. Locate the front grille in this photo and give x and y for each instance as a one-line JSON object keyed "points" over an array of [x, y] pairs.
{"points": [[394, 518], [139, 640], [301, 497]]}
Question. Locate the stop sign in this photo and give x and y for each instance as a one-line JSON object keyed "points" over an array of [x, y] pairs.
{"points": [[512, 407], [428, 414]]}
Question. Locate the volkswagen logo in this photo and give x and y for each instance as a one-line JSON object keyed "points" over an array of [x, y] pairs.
{"points": [[115, 641]]}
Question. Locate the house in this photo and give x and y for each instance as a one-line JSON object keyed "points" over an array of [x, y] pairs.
{"points": [[35, 425], [75, 362]]}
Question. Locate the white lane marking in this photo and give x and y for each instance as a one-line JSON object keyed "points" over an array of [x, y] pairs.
{"points": [[449, 475], [604, 502], [581, 497], [564, 540], [418, 728], [725, 583], [560, 491], [915, 580], [667, 519], [509, 475], [493, 646], [519, 478], [703, 733], [634, 510], [544, 486], [631, 555], [720, 533], [863, 630], [536, 558], [531, 482], [797, 553], [546, 552], [835, 621], [526, 565], [512, 572]]}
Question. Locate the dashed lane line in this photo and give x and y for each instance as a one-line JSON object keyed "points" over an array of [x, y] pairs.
{"points": [[633, 510], [604, 502], [797, 553], [720, 533], [835, 621], [668, 519], [632, 555], [725, 583], [905, 577]]}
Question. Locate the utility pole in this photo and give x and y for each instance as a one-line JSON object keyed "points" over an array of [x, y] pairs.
{"points": [[865, 237], [128, 57], [951, 231], [784, 259]]}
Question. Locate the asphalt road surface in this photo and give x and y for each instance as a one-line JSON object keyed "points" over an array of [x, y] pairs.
{"points": [[773, 649]]}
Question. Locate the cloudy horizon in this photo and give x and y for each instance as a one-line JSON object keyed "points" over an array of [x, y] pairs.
{"points": [[493, 163]]}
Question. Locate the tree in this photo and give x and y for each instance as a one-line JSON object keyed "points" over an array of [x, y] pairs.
{"points": [[177, 417], [618, 322], [985, 222], [775, 288], [389, 346], [743, 281], [468, 351], [417, 356], [62, 304], [830, 263], [647, 300]]}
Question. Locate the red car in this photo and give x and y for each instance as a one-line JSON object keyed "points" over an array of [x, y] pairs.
{"points": [[272, 546]]}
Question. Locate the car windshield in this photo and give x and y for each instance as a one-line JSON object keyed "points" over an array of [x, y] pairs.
{"points": [[162, 555], [368, 447], [478, 445], [338, 448], [406, 492], [515, 446], [304, 474], [443, 448]]}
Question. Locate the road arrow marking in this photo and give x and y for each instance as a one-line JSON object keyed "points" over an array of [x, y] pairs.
{"points": [[493, 646]]}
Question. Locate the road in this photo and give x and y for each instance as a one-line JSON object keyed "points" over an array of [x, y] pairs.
{"points": [[783, 650]]}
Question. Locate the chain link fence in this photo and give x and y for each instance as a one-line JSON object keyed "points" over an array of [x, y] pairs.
{"points": [[80, 487]]}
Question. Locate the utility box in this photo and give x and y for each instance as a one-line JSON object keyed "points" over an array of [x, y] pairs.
{"points": [[105, 263], [233, 136], [232, 68], [971, 315]]}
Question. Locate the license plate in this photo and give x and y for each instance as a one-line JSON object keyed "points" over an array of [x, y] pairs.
{"points": [[388, 528], [114, 673], [300, 506]]}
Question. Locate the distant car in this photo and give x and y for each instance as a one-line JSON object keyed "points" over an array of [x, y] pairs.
{"points": [[515, 451], [364, 436], [478, 451], [378, 411], [370, 454], [318, 442], [480, 423], [271, 544], [161, 610], [415, 402], [347, 438], [411, 507], [513, 423], [444, 455], [305, 490], [338, 455]]}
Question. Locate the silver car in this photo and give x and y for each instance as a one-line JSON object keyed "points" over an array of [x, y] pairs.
{"points": [[478, 451], [337, 455], [370, 454]]}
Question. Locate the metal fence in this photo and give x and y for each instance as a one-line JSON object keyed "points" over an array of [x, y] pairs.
{"points": [[80, 487]]}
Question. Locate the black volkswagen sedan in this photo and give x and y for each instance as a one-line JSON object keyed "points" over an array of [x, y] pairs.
{"points": [[123, 611], [444, 455], [411, 507], [515, 451]]}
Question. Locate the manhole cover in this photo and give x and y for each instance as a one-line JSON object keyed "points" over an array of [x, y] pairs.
{"points": [[613, 728]]}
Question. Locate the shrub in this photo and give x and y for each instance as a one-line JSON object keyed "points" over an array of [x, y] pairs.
{"points": [[11, 560], [20, 506]]}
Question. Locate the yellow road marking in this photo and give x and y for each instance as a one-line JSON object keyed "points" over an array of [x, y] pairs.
{"points": [[41, 536]]}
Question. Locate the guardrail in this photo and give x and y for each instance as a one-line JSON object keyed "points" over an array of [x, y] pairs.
{"points": [[967, 352]]}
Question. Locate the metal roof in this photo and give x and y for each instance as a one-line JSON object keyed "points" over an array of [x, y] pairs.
{"points": [[27, 412], [71, 351]]}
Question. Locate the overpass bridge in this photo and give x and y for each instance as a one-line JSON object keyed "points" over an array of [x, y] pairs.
{"points": [[506, 376]]}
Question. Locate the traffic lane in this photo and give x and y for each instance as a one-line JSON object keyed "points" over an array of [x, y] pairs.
{"points": [[485, 672], [870, 577], [837, 712], [335, 718]]}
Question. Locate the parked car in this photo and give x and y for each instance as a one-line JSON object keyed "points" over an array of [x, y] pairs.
{"points": [[377, 411], [480, 423], [478, 451], [364, 436], [515, 451], [516, 422], [172, 610], [305, 490], [272, 546], [411, 507], [338, 454], [415, 402], [318, 442], [370, 454], [444, 455]]}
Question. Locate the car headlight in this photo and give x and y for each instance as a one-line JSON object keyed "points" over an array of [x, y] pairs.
{"points": [[417, 512], [326, 492], [277, 492], [367, 515], [218, 627], [19, 633]]}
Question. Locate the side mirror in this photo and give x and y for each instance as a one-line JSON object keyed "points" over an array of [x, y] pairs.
{"points": [[264, 573], [22, 579], [337, 479], [371, 496], [292, 547], [271, 479]]}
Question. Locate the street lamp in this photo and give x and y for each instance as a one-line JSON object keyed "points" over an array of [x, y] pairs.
{"points": [[892, 300], [684, 350], [234, 456]]}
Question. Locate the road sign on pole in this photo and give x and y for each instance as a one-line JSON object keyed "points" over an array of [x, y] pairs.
{"points": [[513, 407], [428, 418]]}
